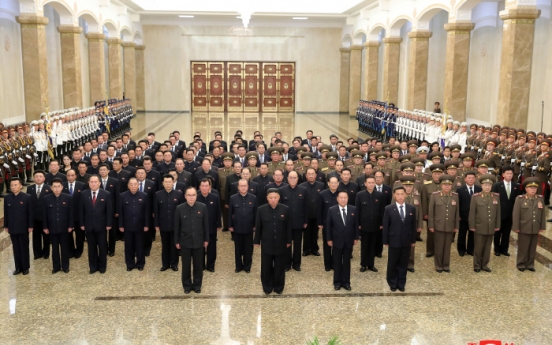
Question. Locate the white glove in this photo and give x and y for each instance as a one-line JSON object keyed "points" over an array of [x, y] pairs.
{"points": [[27, 156], [35, 154], [21, 160], [6, 165], [522, 164], [14, 162], [513, 160], [534, 168]]}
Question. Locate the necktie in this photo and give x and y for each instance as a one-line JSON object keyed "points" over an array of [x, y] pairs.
{"points": [[262, 159], [141, 189], [508, 190], [38, 191], [471, 191], [93, 198], [402, 213], [103, 183], [379, 189], [344, 215], [71, 189]]}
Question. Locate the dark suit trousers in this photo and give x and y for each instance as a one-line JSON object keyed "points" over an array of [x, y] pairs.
{"points": [[502, 237], [396, 266], [379, 243], [75, 241], [134, 248], [310, 237], [191, 256], [211, 252], [342, 266], [368, 241], [20, 244], [112, 236], [41, 241], [273, 273], [60, 241], [169, 253], [148, 240], [243, 251], [461, 244], [294, 251], [97, 250], [327, 251]]}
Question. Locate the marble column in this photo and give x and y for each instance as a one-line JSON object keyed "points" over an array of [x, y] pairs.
{"points": [[355, 73], [129, 58], [371, 56], [71, 65], [96, 66], [114, 60], [418, 53], [140, 78], [515, 65], [391, 54], [344, 80], [35, 64], [456, 68]]}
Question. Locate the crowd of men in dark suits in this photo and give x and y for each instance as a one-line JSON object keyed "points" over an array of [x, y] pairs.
{"points": [[275, 195]]}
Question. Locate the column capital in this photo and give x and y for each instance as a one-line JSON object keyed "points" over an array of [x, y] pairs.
{"points": [[32, 20], [522, 15], [129, 45], [372, 44], [140, 47], [357, 47], [420, 35], [344, 50], [113, 40], [456, 27], [392, 40], [95, 36], [69, 29]]}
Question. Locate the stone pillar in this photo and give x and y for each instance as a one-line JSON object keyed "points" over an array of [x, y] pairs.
{"points": [[355, 72], [140, 78], [515, 65], [371, 57], [418, 53], [344, 80], [71, 65], [114, 60], [35, 64], [129, 58], [391, 54], [456, 68], [96, 65]]}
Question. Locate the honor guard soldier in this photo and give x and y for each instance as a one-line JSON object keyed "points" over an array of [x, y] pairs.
{"points": [[484, 220], [529, 219], [542, 172]]}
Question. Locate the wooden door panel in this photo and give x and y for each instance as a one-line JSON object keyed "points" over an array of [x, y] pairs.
{"points": [[216, 86], [286, 87], [234, 86], [199, 86], [270, 87]]}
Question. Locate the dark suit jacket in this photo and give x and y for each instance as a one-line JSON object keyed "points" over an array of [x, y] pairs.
{"points": [[273, 236], [77, 190], [122, 177], [96, 218], [396, 233], [371, 208], [242, 212], [18, 213], [343, 236], [464, 198], [133, 211], [507, 205], [37, 203], [191, 233], [50, 177], [164, 208], [387, 192], [58, 213], [212, 201]]}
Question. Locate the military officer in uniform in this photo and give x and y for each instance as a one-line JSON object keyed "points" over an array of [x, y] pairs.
{"points": [[430, 187], [484, 220], [443, 221], [242, 209], [223, 173], [529, 219]]}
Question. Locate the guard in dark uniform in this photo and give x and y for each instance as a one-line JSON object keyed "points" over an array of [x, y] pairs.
{"points": [[328, 198], [18, 223], [212, 201], [242, 210], [41, 240], [370, 207], [273, 235], [314, 188], [529, 219], [133, 210], [164, 208]]}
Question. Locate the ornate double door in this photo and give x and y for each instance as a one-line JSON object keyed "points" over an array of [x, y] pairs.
{"points": [[243, 86]]}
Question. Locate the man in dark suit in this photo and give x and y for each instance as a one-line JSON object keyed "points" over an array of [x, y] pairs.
{"points": [[342, 233], [465, 193], [328, 198], [18, 223], [230, 179], [74, 188], [41, 240], [204, 171], [134, 212], [54, 173], [273, 235], [177, 185], [121, 175], [509, 191], [151, 173], [96, 217], [241, 222], [164, 208], [387, 196], [111, 185], [191, 235], [310, 237], [212, 201], [149, 188], [58, 222], [399, 233]]}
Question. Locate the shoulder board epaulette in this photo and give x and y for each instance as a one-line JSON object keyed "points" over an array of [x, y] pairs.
{"points": [[454, 193], [521, 196], [477, 194], [540, 196], [496, 194], [495, 153], [324, 169], [428, 182], [437, 192]]}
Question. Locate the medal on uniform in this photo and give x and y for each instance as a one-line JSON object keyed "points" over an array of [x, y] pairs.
{"points": [[539, 204], [453, 203], [495, 201], [416, 202]]}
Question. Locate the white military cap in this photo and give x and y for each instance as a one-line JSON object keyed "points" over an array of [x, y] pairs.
{"points": [[40, 122]]}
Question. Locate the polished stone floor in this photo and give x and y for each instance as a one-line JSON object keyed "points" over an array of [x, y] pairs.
{"points": [[149, 307]]}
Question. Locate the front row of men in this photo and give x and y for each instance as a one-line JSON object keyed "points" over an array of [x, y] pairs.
{"points": [[189, 222]]}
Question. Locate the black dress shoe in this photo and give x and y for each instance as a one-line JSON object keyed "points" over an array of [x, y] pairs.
{"points": [[212, 270], [419, 240], [55, 271], [410, 270], [470, 254], [379, 256], [477, 270], [393, 289], [487, 270], [147, 254], [140, 268], [461, 254], [129, 269], [439, 271], [78, 256], [497, 254], [373, 269], [197, 290], [25, 272], [401, 289], [267, 292], [328, 269], [447, 270], [66, 270], [316, 253], [505, 254], [111, 254], [237, 271], [175, 268], [187, 291], [363, 269], [279, 292], [337, 287], [298, 269], [305, 254], [16, 272], [521, 269], [102, 271], [429, 255], [92, 272], [163, 269], [549, 220], [287, 269], [347, 287], [531, 269], [247, 271], [46, 257], [37, 257]]}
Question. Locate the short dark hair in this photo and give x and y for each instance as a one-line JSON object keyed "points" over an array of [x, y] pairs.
{"points": [[56, 180], [342, 191], [39, 172], [507, 169], [168, 176], [16, 179]]}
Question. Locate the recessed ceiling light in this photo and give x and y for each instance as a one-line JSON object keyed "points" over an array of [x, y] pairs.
{"points": [[300, 18], [185, 16]]}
